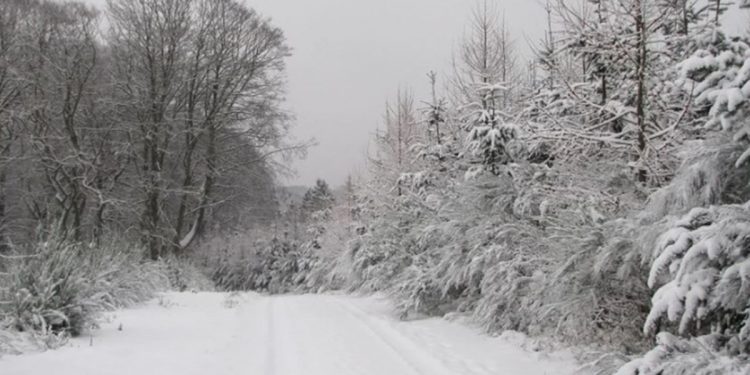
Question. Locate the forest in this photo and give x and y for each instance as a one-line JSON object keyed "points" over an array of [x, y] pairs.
{"points": [[129, 145], [594, 196]]}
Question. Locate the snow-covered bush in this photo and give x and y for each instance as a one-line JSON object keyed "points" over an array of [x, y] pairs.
{"points": [[702, 268], [239, 263], [515, 251], [598, 293], [701, 261], [185, 275], [281, 264], [718, 75], [330, 265], [59, 287], [699, 356], [707, 176]]}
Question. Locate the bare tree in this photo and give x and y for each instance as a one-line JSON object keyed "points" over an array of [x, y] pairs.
{"points": [[486, 58], [394, 155], [243, 85], [11, 86], [193, 72], [149, 40]]}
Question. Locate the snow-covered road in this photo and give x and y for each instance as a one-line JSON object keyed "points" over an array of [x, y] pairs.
{"points": [[219, 334]]}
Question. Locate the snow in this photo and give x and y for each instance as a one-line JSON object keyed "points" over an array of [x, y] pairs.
{"points": [[185, 241], [735, 98], [215, 333], [672, 244], [744, 158]]}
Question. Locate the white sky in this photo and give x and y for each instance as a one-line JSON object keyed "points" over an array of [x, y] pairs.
{"points": [[350, 56]]}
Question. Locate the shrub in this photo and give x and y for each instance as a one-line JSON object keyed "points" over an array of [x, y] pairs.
{"points": [[61, 288]]}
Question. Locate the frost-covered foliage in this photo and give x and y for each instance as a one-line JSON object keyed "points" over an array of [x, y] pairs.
{"points": [[184, 275], [703, 267], [609, 85], [696, 260], [699, 264], [491, 140], [244, 262], [59, 288], [516, 251], [674, 355], [719, 76], [707, 176], [280, 264], [318, 197]]}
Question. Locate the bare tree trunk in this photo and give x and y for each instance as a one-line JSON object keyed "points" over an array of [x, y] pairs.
{"points": [[685, 20], [3, 215], [187, 182], [717, 16], [151, 212], [435, 106], [98, 226], [602, 66], [641, 91], [551, 46], [208, 183]]}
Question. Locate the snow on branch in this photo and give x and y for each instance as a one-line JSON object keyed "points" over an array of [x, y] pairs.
{"points": [[705, 260]]}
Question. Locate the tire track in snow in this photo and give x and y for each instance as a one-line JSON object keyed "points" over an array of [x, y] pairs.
{"points": [[280, 335], [270, 338], [421, 361]]}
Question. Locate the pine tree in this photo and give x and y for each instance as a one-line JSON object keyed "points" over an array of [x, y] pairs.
{"points": [[718, 76], [703, 265], [482, 89], [318, 198]]}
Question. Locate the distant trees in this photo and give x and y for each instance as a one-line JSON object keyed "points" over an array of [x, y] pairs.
{"points": [[318, 198], [143, 130]]}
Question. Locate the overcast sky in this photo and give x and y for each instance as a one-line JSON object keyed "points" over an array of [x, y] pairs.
{"points": [[350, 56]]}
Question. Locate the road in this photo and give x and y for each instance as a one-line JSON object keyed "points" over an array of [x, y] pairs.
{"points": [[218, 334]]}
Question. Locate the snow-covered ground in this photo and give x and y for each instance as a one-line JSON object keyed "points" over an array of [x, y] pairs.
{"points": [[218, 334]]}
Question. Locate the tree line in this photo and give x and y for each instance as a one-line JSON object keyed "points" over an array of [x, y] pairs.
{"points": [[158, 120]]}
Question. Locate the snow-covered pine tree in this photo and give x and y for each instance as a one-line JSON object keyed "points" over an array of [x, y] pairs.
{"points": [[482, 89], [706, 255], [718, 75], [436, 155], [621, 94], [317, 198], [702, 266], [435, 113]]}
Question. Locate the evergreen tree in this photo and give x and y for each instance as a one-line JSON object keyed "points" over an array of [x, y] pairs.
{"points": [[718, 75], [318, 198], [482, 89]]}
